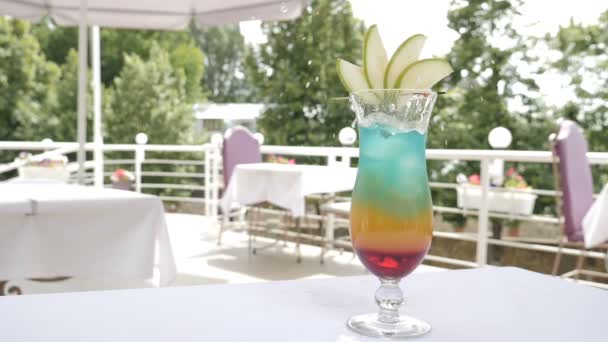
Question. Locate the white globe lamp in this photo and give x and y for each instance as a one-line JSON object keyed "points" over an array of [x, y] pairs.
{"points": [[141, 138], [347, 136], [500, 137]]}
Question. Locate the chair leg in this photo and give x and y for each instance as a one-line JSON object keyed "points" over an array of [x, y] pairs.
{"points": [[9, 290], [249, 244], [558, 256], [579, 263], [256, 218], [219, 235], [298, 252], [323, 241], [328, 236]]}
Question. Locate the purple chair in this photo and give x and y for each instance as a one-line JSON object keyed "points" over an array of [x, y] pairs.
{"points": [[239, 147], [572, 174]]}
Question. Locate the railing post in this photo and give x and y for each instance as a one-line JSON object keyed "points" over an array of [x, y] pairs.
{"points": [[97, 131], [140, 155], [215, 181], [482, 230], [207, 174], [331, 160], [345, 160]]}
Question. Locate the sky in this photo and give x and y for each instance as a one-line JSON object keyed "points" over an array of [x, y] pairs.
{"points": [[399, 19]]}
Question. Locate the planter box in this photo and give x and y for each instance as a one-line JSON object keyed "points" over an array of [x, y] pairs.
{"points": [[40, 172], [510, 202], [122, 185]]}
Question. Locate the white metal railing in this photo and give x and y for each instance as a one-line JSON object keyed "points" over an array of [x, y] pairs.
{"points": [[210, 176], [344, 155]]}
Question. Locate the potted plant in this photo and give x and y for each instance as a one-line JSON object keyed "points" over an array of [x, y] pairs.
{"points": [[122, 179], [45, 166], [458, 221], [514, 181]]}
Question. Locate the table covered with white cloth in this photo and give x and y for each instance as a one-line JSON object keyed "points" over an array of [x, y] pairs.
{"points": [[492, 304], [52, 230], [285, 185], [595, 222]]}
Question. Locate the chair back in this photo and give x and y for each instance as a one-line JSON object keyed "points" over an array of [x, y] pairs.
{"points": [[240, 147], [575, 180]]}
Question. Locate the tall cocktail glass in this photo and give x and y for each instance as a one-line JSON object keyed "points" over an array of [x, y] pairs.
{"points": [[391, 213]]}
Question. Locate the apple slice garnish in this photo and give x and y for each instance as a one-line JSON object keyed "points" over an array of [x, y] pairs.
{"points": [[406, 54], [351, 75], [353, 79], [375, 59], [424, 73]]}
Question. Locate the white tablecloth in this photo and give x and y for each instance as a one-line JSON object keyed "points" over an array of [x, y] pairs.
{"points": [[494, 304], [50, 230], [595, 222], [285, 185]]}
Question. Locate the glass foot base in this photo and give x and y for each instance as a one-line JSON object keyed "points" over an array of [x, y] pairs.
{"points": [[369, 325]]}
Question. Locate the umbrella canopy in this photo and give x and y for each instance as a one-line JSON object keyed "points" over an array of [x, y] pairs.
{"points": [[152, 14], [140, 14]]}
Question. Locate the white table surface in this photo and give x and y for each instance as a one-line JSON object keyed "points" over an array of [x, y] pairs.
{"points": [[51, 230], [493, 304], [285, 185], [595, 222]]}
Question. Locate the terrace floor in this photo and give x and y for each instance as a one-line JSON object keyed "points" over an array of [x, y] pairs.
{"points": [[200, 261]]}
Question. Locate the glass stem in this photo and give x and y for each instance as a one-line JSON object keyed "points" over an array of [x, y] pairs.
{"points": [[389, 298]]}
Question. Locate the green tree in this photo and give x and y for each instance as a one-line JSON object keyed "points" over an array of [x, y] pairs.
{"points": [[582, 51], [295, 74], [583, 56], [225, 51], [27, 81], [487, 91], [57, 41], [60, 119], [148, 96], [183, 53]]}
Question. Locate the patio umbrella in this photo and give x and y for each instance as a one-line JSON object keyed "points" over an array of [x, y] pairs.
{"points": [[136, 14]]}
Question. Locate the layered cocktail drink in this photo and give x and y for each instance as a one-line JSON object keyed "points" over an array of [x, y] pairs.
{"points": [[391, 218], [391, 213]]}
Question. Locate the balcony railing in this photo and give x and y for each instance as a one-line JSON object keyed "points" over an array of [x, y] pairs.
{"points": [[203, 181]]}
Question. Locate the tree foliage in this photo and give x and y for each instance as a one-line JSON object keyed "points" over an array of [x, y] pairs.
{"points": [[27, 81], [582, 51], [583, 56], [295, 74], [488, 90], [224, 77], [148, 96], [59, 120]]}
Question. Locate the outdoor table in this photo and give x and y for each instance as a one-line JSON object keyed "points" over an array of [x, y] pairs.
{"points": [[54, 230], [285, 185], [491, 304]]}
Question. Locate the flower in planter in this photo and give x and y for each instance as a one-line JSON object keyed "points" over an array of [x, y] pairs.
{"points": [[515, 180], [474, 179], [280, 160], [45, 160], [122, 175]]}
